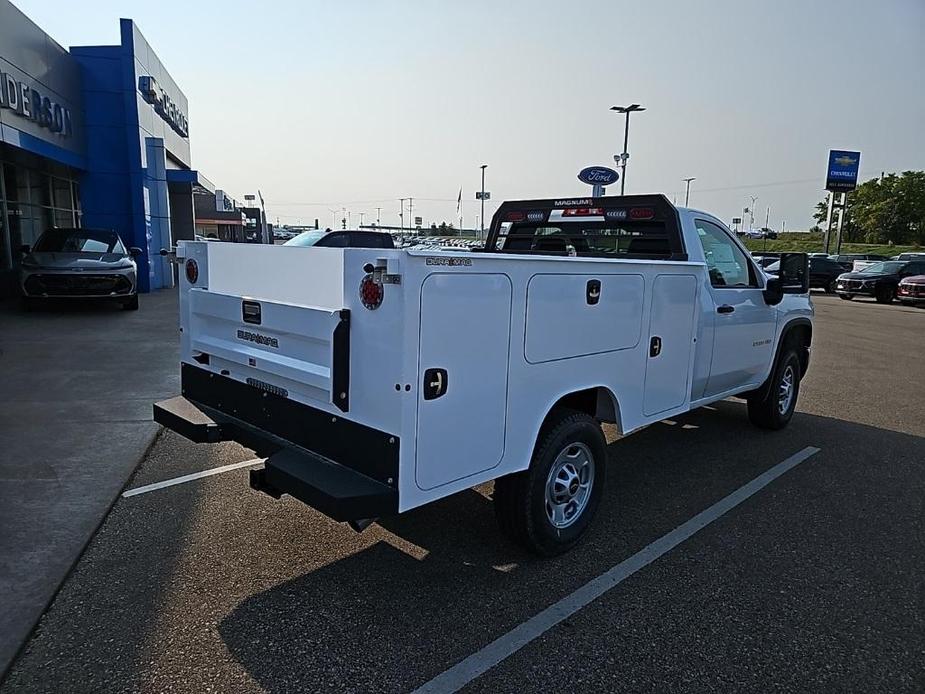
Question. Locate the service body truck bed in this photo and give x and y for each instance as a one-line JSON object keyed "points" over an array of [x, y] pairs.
{"points": [[379, 380]]}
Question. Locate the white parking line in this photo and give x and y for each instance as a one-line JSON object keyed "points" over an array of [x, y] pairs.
{"points": [[189, 478], [481, 661]]}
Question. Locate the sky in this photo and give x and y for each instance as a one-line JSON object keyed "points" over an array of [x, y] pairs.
{"points": [[330, 105]]}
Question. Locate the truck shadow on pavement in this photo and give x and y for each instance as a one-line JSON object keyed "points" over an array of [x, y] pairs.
{"points": [[443, 582]]}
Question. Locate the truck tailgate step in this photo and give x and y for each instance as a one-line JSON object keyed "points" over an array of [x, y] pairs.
{"points": [[188, 420], [335, 490]]}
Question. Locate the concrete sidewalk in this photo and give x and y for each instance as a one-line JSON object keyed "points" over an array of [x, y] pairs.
{"points": [[76, 387]]}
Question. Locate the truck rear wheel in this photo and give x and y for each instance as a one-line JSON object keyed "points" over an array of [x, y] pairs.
{"points": [[548, 507], [775, 409]]}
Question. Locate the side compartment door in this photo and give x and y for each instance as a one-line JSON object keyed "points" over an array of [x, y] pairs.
{"points": [[671, 334], [465, 338]]}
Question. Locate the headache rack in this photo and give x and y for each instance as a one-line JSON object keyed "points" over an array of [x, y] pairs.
{"points": [[630, 226]]}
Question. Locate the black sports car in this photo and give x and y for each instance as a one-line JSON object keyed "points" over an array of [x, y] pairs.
{"points": [[879, 280]]}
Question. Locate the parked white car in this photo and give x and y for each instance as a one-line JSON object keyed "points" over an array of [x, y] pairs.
{"points": [[379, 380]]}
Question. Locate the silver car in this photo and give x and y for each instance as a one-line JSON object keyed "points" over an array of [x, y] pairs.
{"points": [[80, 263]]}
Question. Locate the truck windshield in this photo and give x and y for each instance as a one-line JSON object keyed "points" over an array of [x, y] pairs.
{"points": [[306, 238], [648, 238]]}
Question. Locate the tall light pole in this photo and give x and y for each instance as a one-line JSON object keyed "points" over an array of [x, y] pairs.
{"points": [[627, 110], [401, 214], [378, 214], [361, 219], [751, 213], [687, 194], [482, 232]]}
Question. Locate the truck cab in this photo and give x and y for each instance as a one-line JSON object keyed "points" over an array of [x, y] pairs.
{"points": [[378, 380]]}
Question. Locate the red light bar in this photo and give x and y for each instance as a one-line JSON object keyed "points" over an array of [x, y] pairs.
{"points": [[515, 216], [583, 212], [642, 213]]}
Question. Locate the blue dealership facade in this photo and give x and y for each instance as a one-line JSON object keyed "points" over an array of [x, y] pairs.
{"points": [[94, 136]]}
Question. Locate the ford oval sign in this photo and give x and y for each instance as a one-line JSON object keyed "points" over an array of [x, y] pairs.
{"points": [[598, 176]]}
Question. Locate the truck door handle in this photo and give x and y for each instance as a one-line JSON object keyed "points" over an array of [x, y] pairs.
{"points": [[435, 383], [655, 346], [725, 308]]}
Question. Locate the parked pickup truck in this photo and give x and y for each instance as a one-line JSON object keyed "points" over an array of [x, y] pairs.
{"points": [[376, 380]]}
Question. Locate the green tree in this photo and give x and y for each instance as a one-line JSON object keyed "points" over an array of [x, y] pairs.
{"points": [[883, 210]]}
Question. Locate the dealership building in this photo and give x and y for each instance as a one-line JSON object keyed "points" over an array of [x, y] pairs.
{"points": [[94, 136]]}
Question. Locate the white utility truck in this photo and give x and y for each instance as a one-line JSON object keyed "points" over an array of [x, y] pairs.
{"points": [[376, 380]]}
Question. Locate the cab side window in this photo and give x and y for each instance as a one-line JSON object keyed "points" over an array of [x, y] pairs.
{"points": [[726, 262]]}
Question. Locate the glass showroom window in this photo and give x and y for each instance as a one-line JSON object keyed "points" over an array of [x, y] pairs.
{"points": [[33, 201]]}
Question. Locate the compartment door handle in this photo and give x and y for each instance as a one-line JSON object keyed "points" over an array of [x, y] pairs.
{"points": [[435, 383]]}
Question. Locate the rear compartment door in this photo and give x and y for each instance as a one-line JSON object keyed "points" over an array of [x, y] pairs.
{"points": [[465, 336]]}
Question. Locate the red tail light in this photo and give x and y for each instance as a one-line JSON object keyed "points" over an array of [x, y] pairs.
{"points": [[192, 271], [515, 216], [371, 293], [642, 213]]}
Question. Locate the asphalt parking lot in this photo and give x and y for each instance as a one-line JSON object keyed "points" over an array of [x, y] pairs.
{"points": [[813, 583]]}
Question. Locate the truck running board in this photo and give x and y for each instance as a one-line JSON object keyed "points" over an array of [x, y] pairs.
{"points": [[335, 490]]}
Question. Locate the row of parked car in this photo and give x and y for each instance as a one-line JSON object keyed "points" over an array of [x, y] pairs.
{"points": [[96, 264], [350, 238], [901, 277]]}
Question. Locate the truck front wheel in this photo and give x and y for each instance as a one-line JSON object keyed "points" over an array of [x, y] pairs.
{"points": [[548, 507], [775, 409]]}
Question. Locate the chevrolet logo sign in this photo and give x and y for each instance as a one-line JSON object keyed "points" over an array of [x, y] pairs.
{"points": [[845, 160]]}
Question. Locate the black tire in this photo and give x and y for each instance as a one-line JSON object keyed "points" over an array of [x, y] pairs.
{"points": [[767, 412], [520, 499], [830, 287], [846, 297], [884, 295], [131, 304]]}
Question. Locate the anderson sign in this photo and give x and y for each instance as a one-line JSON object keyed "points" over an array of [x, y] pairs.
{"points": [[165, 107], [28, 102]]}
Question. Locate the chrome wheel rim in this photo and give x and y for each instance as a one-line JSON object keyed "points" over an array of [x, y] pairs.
{"points": [[569, 484], [785, 393]]}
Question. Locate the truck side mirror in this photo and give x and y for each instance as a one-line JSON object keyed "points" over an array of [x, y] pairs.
{"points": [[794, 273], [773, 291], [134, 251], [792, 278]]}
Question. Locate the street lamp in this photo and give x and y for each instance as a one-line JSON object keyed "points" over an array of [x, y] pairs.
{"points": [[626, 137], [687, 194]]}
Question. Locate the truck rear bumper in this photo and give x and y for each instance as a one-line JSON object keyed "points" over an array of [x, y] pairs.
{"points": [[344, 469]]}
